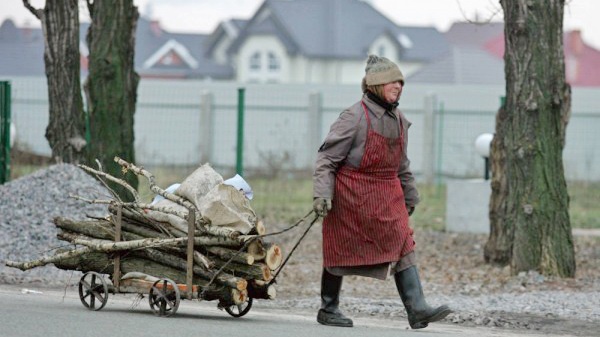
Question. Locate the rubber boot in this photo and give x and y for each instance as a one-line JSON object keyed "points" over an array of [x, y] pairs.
{"points": [[420, 314], [330, 314]]}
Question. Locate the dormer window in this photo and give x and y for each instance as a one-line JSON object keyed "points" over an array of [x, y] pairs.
{"points": [[381, 51], [274, 63], [405, 41], [255, 61]]}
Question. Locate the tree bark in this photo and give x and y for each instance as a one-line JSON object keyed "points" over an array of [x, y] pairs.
{"points": [[66, 125], [111, 87], [498, 249], [533, 205]]}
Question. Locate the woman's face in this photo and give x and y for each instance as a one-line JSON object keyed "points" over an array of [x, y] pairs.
{"points": [[392, 91]]}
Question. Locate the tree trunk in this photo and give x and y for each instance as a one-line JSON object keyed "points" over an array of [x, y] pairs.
{"points": [[529, 206], [112, 86], [66, 125], [498, 249]]}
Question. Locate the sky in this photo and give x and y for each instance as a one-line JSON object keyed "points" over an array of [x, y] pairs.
{"points": [[202, 16]]}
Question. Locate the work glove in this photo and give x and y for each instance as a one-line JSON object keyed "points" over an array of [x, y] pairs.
{"points": [[410, 209], [321, 206]]}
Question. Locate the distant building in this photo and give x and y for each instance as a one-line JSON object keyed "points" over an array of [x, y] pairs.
{"points": [[158, 53], [477, 57], [315, 41], [285, 41]]}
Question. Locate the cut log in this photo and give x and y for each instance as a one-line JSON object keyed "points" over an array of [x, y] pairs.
{"points": [[261, 290], [260, 228], [256, 249], [180, 263], [226, 296], [57, 258], [229, 254], [102, 263], [274, 255], [108, 246], [257, 271]]}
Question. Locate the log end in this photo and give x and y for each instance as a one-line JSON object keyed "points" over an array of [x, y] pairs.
{"points": [[271, 292], [274, 257], [239, 296], [242, 284], [260, 228]]}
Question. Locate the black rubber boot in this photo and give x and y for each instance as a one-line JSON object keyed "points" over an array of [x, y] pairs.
{"points": [[330, 314], [420, 314]]}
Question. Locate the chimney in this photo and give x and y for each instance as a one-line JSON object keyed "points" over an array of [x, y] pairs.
{"points": [[576, 42], [155, 28]]}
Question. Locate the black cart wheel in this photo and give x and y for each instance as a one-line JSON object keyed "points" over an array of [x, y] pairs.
{"points": [[164, 297], [240, 309], [93, 291]]}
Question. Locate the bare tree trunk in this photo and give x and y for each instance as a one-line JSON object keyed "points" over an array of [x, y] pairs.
{"points": [[65, 130], [112, 86], [498, 249], [530, 216]]}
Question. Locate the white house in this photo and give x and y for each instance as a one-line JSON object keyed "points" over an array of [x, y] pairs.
{"points": [[315, 41]]}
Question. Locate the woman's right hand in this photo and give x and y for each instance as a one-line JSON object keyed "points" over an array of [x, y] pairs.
{"points": [[321, 206]]}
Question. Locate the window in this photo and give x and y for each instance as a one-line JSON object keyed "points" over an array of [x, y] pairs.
{"points": [[274, 64], [381, 51], [255, 61]]}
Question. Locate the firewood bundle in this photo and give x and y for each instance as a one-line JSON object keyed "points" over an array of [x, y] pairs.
{"points": [[231, 259]]}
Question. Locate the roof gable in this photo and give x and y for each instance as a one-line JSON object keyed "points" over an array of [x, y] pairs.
{"points": [[171, 47], [334, 29], [229, 29]]}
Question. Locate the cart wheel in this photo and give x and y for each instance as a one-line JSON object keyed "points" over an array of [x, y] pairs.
{"points": [[240, 309], [93, 291], [164, 297]]}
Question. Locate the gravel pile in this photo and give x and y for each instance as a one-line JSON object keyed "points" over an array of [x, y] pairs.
{"points": [[451, 266], [27, 207]]}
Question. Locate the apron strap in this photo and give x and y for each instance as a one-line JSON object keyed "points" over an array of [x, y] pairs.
{"points": [[366, 110]]}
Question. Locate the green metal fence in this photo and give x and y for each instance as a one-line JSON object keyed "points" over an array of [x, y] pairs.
{"points": [[5, 104]]}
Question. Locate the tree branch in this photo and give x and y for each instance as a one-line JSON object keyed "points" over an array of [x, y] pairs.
{"points": [[36, 12]]}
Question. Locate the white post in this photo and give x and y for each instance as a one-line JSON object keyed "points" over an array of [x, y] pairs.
{"points": [[206, 129], [429, 138], [315, 123]]}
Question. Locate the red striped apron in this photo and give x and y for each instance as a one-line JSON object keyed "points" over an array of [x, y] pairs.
{"points": [[368, 223]]}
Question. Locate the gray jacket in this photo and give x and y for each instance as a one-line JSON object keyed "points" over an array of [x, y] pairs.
{"points": [[345, 144]]}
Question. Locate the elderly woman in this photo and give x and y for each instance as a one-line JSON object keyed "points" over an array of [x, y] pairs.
{"points": [[365, 190]]}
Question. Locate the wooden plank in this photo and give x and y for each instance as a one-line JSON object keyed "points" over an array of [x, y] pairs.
{"points": [[117, 269], [190, 252]]}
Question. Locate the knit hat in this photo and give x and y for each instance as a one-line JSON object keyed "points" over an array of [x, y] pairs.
{"points": [[380, 70]]}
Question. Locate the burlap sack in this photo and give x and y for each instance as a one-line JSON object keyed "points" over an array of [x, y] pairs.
{"points": [[198, 184], [226, 206], [220, 204]]}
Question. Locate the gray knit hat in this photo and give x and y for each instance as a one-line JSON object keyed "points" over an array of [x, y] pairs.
{"points": [[380, 70]]}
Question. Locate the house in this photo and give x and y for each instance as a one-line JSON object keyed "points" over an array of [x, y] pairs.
{"points": [[162, 54], [477, 57], [315, 41], [158, 53], [220, 39]]}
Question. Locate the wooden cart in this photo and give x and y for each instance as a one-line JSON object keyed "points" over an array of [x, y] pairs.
{"points": [[164, 294]]}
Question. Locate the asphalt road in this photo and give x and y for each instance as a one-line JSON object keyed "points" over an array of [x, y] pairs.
{"points": [[54, 312]]}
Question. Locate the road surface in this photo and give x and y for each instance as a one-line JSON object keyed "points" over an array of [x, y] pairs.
{"points": [[55, 312]]}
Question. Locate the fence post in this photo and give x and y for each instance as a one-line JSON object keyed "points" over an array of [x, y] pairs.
{"points": [[429, 138], [315, 124], [206, 129], [5, 105], [239, 162]]}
